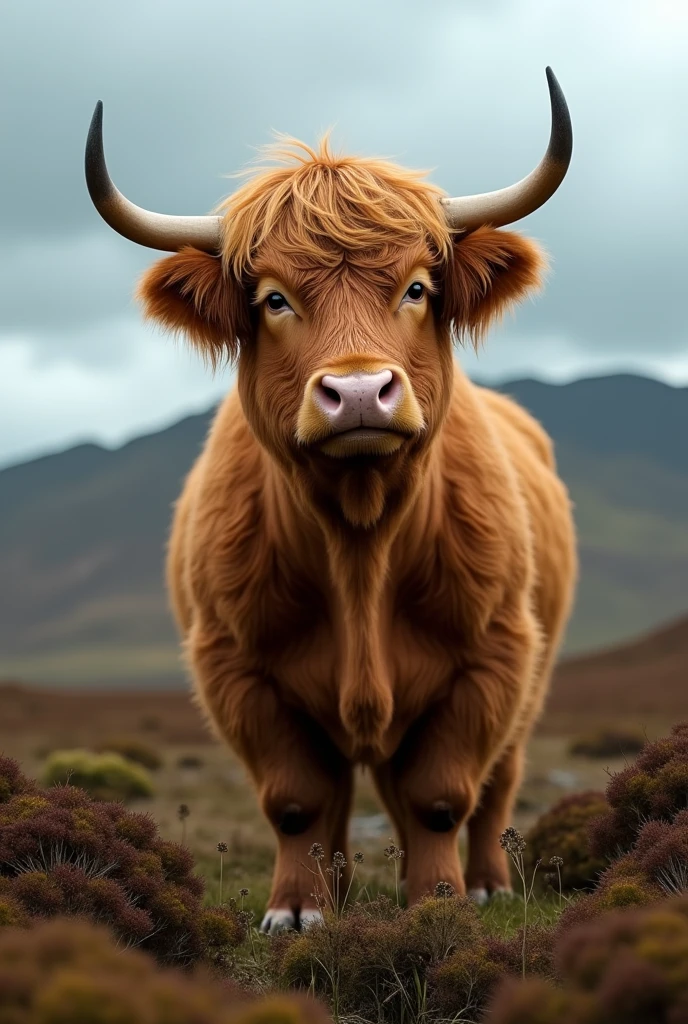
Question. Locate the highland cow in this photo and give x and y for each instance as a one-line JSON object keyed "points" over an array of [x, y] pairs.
{"points": [[373, 559]]}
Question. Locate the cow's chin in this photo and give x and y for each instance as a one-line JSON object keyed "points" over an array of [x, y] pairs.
{"points": [[362, 441]]}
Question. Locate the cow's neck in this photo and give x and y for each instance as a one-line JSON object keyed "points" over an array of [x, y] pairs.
{"points": [[359, 564]]}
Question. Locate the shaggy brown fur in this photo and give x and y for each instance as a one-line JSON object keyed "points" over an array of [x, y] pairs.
{"points": [[403, 609]]}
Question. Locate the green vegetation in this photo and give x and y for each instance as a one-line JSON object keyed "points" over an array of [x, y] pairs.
{"points": [[107, 776], [132, 749]]}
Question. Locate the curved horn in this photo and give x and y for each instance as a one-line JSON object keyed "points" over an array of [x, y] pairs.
{"points": [[509, 204], [156, 230]]}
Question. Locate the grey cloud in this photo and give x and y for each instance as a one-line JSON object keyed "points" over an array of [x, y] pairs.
{"points": [[48, 405], [63, 284], [189, 88]]}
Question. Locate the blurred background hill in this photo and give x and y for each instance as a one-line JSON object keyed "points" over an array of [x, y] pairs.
{"points": [[82, 535]]}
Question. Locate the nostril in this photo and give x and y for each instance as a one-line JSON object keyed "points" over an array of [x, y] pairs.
{"points": [[328, 397], [389, 393], [331, 394]]}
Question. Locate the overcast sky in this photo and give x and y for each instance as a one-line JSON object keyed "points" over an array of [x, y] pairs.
{"points": [[454, 85]]}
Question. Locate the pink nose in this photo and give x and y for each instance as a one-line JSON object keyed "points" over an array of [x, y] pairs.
{"points": [[359, 399]]}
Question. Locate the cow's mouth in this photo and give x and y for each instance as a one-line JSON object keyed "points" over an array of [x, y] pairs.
{"points": [[362, 441]]}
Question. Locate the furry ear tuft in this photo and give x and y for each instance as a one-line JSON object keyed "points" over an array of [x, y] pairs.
{"points": [[489, 271], [189, 293]]}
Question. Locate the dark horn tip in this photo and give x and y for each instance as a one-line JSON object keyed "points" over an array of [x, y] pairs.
{"points": [[97, 178], [561, 140]]}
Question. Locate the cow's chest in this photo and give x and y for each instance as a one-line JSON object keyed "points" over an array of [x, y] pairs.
{"points": [[418, 661]]}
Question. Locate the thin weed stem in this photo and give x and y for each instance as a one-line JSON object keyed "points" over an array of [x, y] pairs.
{"points": [[393, 853], [183, 813], [358, 859], [514, 844]]}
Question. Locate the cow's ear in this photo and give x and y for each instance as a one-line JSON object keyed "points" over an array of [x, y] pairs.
{"points": [[191, 293], [488, 272]]}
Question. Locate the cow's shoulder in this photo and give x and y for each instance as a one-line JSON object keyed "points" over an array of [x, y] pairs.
{"points": [[225, 512], [484, 537], [516, 420]]}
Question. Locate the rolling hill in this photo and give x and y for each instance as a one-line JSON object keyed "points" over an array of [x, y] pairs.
{"points": [[644, 677], [639, 682], [82, 534]]}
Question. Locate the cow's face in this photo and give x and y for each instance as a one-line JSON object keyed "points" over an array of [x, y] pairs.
{"points": [[343, 328], [354, 358]]}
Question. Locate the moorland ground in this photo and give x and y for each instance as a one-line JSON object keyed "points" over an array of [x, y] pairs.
{"points": [[202, 773]]}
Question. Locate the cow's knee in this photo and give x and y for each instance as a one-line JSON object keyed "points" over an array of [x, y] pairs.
{"points": [[293, 820], [447, 811], [441, 816], [292, 812]]}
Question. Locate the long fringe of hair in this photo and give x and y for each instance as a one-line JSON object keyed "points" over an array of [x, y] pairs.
{"points": [[315, 205]]}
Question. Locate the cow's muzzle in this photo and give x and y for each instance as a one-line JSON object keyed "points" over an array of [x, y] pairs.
{"points": [[359, 411]]}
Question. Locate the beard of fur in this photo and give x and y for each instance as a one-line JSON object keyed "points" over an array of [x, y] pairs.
{"points": [[362, 497]]}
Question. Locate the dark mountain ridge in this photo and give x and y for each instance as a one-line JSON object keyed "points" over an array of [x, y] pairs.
{"points": [[83, 531]]}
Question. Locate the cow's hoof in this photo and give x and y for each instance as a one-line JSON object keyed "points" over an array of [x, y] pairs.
{"points": [[278, 920], [502, 892], [283, 920], [481, 895], [307, 918]]}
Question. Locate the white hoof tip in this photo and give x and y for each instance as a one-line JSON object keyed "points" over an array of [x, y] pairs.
{"points": [[482, 896], [276, 921], [503, 894], [308, 918], [479, 896]]}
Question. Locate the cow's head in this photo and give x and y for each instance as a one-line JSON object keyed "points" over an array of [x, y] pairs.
{"points": [[337, 284]]}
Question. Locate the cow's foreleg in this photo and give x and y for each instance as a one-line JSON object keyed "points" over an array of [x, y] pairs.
{"points": [[304, 784], [488, 865], [439, 770], [387, 788]]}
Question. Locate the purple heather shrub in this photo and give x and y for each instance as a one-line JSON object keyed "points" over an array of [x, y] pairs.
{"points": [[562, 832], [655, 786], [624, 967], [62, 853], [69, 971], [378, 962], [12, 781], [643, 835], [509, 952]]}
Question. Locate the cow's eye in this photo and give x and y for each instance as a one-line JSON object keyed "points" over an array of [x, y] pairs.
{"points": [[276, 301], [415, 292]]}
